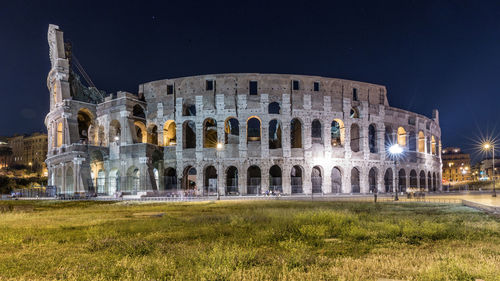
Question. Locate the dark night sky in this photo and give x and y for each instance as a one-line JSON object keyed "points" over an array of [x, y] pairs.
{"points": [[429, 54]]}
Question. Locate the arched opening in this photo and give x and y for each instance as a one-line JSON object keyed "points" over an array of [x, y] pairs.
{"points": [[429, 181], [232, 131], [189, 134], [189, 181], [421, 142], [210, 133], [422, 180], [140, 132], [413, 141], [355, 187], [275, 180], [232, 181], [372, 180], [402, 181], [372, 138], [355, 138], [114, 131], [337, 133], [210, 180], [433, 145], [96, 165], [316, 132], [434, 182], [413, 179], [401, 136], [388, 180], [188, 109], [296, 179], [253, 129], [101, 182], [274, 108], [296, 133], [336, 180], [253, 180], [69, 188], [316, 180], [59, 134], [274, 134], [170, 180], [84, 121], [169, 133], [138, 112], [153, 134], [389, 136], [133, 180], [100, 138], [114, 181]]}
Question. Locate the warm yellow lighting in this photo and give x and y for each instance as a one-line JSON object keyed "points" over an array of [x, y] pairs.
{"points": [[219, 145], [487, 146]]}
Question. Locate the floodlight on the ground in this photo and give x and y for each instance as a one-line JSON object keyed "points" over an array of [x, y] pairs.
{"points": [[117, 138]]}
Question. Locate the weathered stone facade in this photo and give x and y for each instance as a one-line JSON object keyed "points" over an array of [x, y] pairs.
{"points": [[236, 134]]}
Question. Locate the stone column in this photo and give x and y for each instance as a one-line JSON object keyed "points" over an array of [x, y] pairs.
{"points": [[242, 180], [243, 137], [264, 144], [364, 184], [346, 180], [286, 179], [327, 179], [144, 181], [264, 173], [199, 140], [127, 127]]}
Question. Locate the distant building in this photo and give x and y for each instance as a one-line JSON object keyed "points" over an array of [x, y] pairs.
{"points": [[5, 153], [30, 151], [486, 169], [456, 165]]}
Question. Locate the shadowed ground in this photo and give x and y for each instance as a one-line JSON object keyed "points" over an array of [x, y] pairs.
{"points": [[247, 240]]}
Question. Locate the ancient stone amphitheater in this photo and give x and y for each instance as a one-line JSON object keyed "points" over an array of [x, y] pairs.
{"points": [[234, 134]]}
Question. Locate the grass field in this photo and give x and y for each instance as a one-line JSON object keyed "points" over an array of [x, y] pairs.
{"points": [[247, 240]]}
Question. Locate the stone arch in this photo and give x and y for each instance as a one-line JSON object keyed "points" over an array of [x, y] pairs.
{"points": [[355, 176], [355, 138], [189, 180], [114, 131], [372, 138], [232, 181], [429, 181], [58, 180], [114, 181], [254, 180], [422, 180], [231, 131], [138, 111], [101, 182], [133, 179], [141, 132], [210, 180], [336, 178], [188, 109], [388, 180], [153, 134], [354, 112], [401, 136], [85, 120], [316, 132], [413, 141], [59, 134], [421, 142], [337, 133], [210, 133], [275, 134], [70, 185], [188, 134], [413, 179], [317, 179], [169, 133], [170, 179], [388, 136], [100, 136], [402, 180], [296, 176], [296, 133], [433, 145], [372, 180], [434, 182], [275, 179], [254, 129], [274, 108]]}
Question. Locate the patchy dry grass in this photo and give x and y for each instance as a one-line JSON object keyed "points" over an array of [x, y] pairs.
{"points": [[260, 240]]}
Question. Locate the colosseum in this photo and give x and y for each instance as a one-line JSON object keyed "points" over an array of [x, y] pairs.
{"points": [[233, 134]]}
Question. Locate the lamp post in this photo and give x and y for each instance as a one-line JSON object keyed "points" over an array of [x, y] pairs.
{"points": [[395, 151], [487, 146]]}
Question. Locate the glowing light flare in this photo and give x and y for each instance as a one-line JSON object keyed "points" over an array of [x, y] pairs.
{"points": [[219, 145], [395, 149]]}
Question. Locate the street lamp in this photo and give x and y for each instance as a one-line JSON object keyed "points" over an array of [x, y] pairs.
{"points": [[395, 151], [486, 147]]}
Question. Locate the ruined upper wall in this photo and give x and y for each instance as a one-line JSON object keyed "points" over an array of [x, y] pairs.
{"points": [[274, 85]]}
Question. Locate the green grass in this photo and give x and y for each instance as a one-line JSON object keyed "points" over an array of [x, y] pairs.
{"points": [[259, 240]]}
